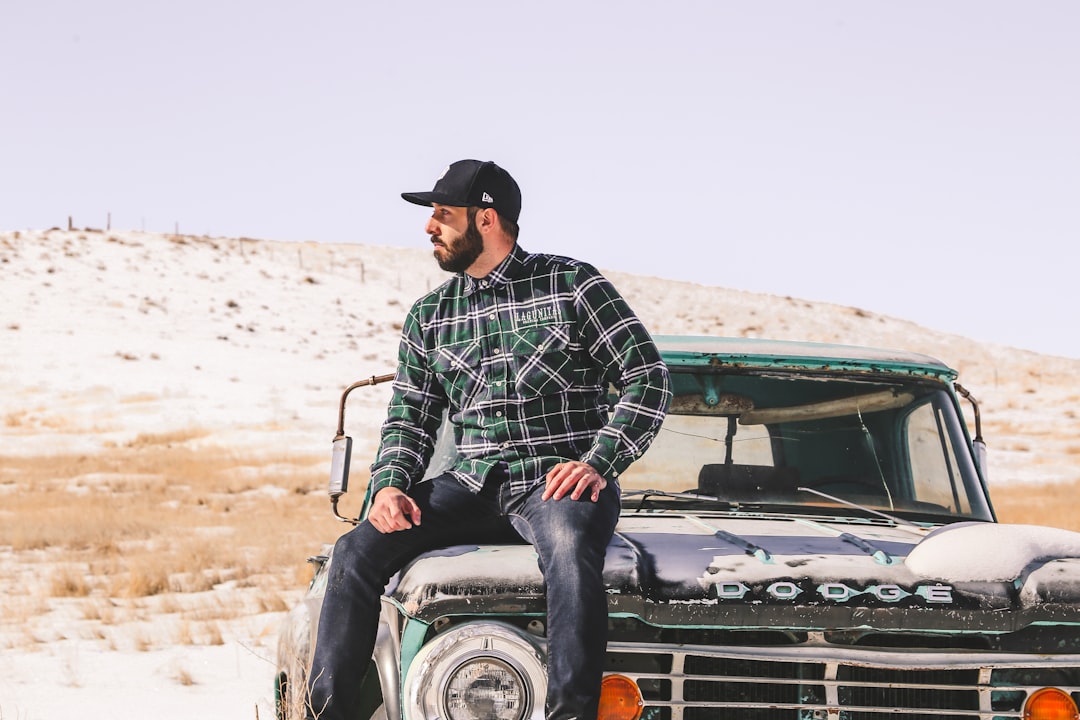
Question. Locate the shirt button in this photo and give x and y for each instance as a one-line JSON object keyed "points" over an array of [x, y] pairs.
{"points": [[540, 347], [491, 316], [498, 413], [496, 351]]}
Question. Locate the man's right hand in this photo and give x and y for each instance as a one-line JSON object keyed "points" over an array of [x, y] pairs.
{"points": [[393, 510]]}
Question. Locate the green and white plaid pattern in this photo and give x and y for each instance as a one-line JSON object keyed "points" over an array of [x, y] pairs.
{"points": [[523, 359]]}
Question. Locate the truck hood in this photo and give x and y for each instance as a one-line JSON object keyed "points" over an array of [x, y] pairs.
{"points": [[792, 571]]}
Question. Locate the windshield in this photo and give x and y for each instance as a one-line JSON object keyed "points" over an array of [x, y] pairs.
{"points": [[893, 446]]}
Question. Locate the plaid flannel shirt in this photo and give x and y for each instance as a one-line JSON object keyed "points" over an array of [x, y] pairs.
{"points": [[523, 360]]}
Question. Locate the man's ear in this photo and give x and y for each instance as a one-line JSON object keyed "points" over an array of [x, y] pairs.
{"points": [[487, 219]]}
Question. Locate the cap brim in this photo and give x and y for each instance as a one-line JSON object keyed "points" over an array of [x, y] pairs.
{"points": [[430, 198]]}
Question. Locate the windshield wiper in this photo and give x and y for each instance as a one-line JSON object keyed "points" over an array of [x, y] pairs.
{"points": [[898, 521], [646, 494]]}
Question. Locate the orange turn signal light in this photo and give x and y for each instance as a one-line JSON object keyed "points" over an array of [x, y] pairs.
{"points": [[620, 699], [1050, 704]]}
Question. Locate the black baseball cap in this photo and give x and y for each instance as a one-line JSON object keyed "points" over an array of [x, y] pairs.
{"points": [[473, 183]]}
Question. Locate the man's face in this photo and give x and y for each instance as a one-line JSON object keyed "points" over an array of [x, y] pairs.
{"points": [[457, 241]]}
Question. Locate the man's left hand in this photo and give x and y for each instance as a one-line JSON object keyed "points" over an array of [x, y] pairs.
{"points": [[573, 478]]}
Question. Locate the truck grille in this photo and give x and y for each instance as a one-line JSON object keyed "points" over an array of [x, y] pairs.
{"points": [[819, 682]]}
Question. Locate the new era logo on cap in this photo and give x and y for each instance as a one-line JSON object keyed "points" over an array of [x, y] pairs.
{"points": [[473, 183]]}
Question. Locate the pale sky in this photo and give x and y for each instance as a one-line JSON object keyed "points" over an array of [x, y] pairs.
{"points": [[917, 159]]}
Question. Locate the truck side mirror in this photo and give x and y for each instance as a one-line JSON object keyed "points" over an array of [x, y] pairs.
{"points": [[339, 466], [341, 453], [980, 458]]}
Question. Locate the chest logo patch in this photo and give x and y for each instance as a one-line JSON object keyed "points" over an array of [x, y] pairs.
{"points": [[538, 316]]}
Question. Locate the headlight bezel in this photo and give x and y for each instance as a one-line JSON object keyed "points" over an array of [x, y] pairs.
{"points": [[429, 674]]}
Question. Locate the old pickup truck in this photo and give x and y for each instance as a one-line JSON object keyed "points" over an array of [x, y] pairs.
{"points": [[809, 537]]}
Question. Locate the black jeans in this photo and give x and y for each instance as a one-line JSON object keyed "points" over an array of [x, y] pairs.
{"points": [[570, 538]]}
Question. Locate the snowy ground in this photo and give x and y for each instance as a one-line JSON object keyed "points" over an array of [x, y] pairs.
{"points": [[108, 335]]}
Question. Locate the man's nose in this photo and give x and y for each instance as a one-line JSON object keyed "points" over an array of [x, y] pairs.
{"points": [[432, 227]]}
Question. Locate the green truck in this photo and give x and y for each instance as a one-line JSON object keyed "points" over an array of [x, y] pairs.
{"points": [[809, 537]]}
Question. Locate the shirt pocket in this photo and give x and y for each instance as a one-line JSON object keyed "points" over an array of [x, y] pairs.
{"points": [[545, 360], [458, 369]]}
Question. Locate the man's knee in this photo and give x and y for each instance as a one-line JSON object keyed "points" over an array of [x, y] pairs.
{"points": [[353, 544], [584, 522]]}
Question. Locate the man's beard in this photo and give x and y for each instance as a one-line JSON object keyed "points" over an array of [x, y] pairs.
{"points": [[463, 252]]}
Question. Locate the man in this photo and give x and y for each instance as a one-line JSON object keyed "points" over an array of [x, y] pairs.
{"points": [[520, 350]]}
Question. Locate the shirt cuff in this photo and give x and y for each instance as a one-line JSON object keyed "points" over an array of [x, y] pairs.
{"points": [[387, 479], [608, 469]]}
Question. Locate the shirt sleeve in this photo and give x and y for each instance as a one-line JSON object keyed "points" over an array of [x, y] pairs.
{"points": [[621, 346], [413, 416]]}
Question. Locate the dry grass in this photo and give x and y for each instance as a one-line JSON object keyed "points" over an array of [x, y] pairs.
{"points": [[1056, 505], [69, 581], [160, 526], [183, 677]]}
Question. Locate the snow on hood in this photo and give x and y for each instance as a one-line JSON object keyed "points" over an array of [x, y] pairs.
{"points": [[989, 552]]}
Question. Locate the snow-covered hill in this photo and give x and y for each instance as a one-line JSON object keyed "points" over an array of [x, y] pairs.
{"points": [[107, 337]]}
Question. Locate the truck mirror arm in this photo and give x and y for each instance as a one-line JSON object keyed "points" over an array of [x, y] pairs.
{"points": [[342, 449], [978, 445]]}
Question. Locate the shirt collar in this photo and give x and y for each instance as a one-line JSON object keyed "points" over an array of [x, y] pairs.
{"points": [[503, 273]]}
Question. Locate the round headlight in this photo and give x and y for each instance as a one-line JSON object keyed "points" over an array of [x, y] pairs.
{"points": [[477, 671], [485, 689]]}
